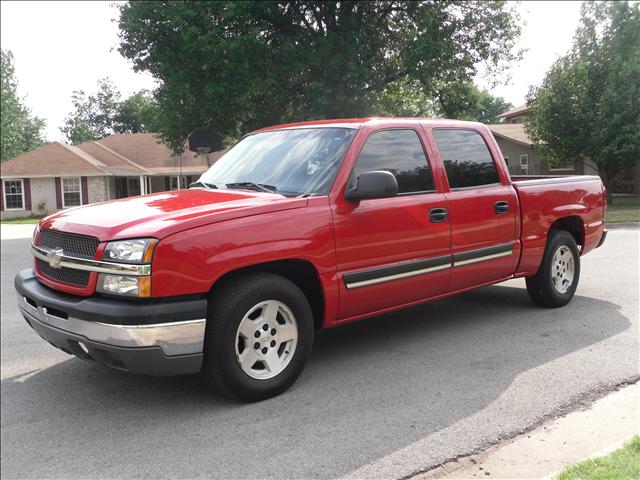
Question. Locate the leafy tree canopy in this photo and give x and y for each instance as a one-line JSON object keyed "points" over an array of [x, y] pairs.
{"points": [[465, 102], [588, 106], [235, 66], [102, 113], [19, 130]]}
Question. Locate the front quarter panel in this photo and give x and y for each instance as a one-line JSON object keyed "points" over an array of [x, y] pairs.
{"points": [[190, 262]]}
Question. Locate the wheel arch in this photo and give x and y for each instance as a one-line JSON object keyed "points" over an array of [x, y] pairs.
{"points": [[572, 224], [301, 272]]}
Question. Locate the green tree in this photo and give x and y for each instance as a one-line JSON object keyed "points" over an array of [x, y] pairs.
{"points": [[94, 114], [487, 107], [235, 66], [465, 101], [102, 113], [19, 130], [77, 131], [588, 106], [138, 113]]}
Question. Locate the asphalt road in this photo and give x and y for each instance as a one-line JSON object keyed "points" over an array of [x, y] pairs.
{"points": [[385, 397]]}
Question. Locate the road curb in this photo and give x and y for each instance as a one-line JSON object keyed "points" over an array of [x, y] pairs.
{"points": [[623, 226], [547, 450]]}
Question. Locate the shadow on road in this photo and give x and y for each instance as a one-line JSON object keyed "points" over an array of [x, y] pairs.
{"points": [[369, 389]]}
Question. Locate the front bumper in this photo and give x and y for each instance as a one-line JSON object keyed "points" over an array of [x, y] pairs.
{"points": [[602, 239], [153, 338]]}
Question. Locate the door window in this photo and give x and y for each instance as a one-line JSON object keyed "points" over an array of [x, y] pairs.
{"points": [[133, 186], [466, 158], [400, 152]]}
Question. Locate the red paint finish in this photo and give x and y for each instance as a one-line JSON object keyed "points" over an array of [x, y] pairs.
{"points": [[206, 234]]}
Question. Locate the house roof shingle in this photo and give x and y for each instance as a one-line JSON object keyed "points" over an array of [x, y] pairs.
{"points": [[118, 154], [52, 159], [117, 164], [511, 131], [144, 150], [519, 110]]}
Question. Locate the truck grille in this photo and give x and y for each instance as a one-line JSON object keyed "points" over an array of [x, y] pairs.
{"points": [[71, 244], [71, 276]]}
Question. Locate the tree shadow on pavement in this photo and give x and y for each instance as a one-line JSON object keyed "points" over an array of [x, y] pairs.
{"points": [[369, 389]]}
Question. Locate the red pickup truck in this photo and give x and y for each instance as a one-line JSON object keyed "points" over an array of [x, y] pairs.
{"points": [[296, 228]]}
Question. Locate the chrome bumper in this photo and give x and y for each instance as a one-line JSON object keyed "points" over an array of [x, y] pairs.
{"points": [[176, 338]]}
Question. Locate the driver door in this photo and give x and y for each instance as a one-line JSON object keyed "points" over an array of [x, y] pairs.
{"points": [[392, 251]]}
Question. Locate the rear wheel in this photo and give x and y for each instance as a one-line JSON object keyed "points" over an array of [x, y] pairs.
{"points": [[557, 279], [258, 338]]}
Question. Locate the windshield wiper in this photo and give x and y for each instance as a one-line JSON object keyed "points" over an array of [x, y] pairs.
{"points": [[202, 184], [260, 187]]}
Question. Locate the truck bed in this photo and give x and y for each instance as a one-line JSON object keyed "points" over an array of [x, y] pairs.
{"points": [[547, 200]]}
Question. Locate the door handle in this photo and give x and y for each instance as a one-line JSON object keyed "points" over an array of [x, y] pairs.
{"points": [[438, 215], [501, 207]]}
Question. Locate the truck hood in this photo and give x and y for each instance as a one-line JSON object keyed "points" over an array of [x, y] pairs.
{"points": [[161, 214]]}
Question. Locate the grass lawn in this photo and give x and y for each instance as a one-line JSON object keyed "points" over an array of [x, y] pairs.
{"points": [[22, 220], [623, 209], [621, 464]]}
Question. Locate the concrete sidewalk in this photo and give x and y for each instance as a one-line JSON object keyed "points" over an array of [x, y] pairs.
{"points": [[545, 451]]}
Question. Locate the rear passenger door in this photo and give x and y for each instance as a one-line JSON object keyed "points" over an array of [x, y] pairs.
{"points": [[389, 252], [481, 205]]}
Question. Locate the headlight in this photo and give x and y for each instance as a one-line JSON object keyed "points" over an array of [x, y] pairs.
{"points": [[124, 285], [139, 250]]}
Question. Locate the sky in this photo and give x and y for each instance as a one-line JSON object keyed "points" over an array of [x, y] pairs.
{"points": [[60, 47]]}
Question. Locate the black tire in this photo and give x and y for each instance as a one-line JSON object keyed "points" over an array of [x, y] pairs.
{"points": [[541, 286], [228, 305]]}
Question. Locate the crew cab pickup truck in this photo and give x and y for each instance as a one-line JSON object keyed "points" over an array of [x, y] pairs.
{"points": [[300, 227]]}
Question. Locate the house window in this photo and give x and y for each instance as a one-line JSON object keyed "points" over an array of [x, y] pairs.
{"points": [[173, 183], [13, 191], [524, 163], [506, 160], [516, 120], [71, 196]]}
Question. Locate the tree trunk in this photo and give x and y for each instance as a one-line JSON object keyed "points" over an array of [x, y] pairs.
{"points": [[608, 178]]}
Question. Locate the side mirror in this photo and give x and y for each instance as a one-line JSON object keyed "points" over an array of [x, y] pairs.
{"points": [[376, 184]]}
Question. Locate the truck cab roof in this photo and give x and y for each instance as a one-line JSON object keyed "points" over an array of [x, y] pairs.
{"points": [[358, 123]]}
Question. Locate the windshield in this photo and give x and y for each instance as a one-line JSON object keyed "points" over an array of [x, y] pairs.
{"points": [[291, 162]]}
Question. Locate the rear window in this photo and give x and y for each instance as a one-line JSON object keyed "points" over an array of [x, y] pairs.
{"points": [[466, 158]]}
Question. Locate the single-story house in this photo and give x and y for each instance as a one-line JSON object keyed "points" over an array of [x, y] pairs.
{"points": [[518, 150], [57, 175], [523, 159]]}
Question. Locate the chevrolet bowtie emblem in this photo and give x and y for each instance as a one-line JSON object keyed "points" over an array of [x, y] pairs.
{"points": [[53, 257]]}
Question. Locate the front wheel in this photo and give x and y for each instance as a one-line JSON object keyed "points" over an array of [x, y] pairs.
{"points": [[258, 337], [557, 279]]}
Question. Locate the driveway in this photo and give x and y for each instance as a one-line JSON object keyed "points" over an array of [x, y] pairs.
{"points": [[385, 397]]}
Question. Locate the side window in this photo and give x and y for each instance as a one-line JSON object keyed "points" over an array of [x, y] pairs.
{"points": [[399, 152], [466, 158]]}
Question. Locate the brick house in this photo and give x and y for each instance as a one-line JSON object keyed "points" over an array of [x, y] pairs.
{"points": [[57, 176]]}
